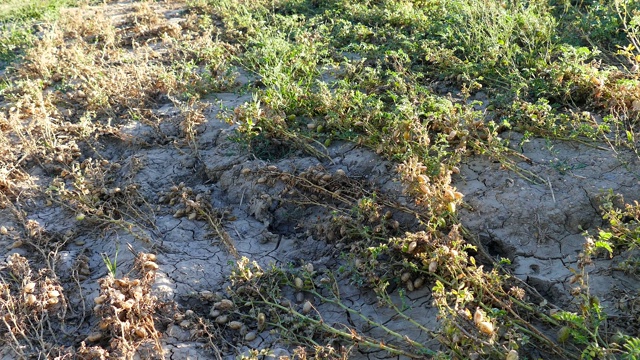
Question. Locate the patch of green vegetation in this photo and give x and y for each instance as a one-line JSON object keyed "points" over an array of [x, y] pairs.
{"points": [[18, 21], [17, 10], [622, 232], [379, 73], [593, 23]]}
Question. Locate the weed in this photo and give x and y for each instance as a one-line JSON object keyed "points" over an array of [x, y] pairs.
{"points": [[112, 265], [622, 232]]}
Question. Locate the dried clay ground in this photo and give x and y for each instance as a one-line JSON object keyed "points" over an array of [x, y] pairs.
{"points": [[169, 191]]}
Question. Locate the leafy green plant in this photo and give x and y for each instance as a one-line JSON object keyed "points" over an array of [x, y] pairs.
{"points": [[111, 264], [623, 230]]}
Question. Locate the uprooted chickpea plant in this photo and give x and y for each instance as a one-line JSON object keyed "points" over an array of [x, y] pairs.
{"points": [[93, 93]]}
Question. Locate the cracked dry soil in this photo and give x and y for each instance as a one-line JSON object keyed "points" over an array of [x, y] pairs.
{"points": [[539, 227]]}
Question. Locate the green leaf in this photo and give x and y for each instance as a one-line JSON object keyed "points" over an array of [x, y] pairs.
{"points": [[605, 236], [605, 245]]}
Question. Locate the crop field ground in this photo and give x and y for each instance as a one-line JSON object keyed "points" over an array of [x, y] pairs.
{"points": [[307, 179]]}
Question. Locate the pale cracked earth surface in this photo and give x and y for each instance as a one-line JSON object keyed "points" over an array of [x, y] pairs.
{"points": [[538, 227]]}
